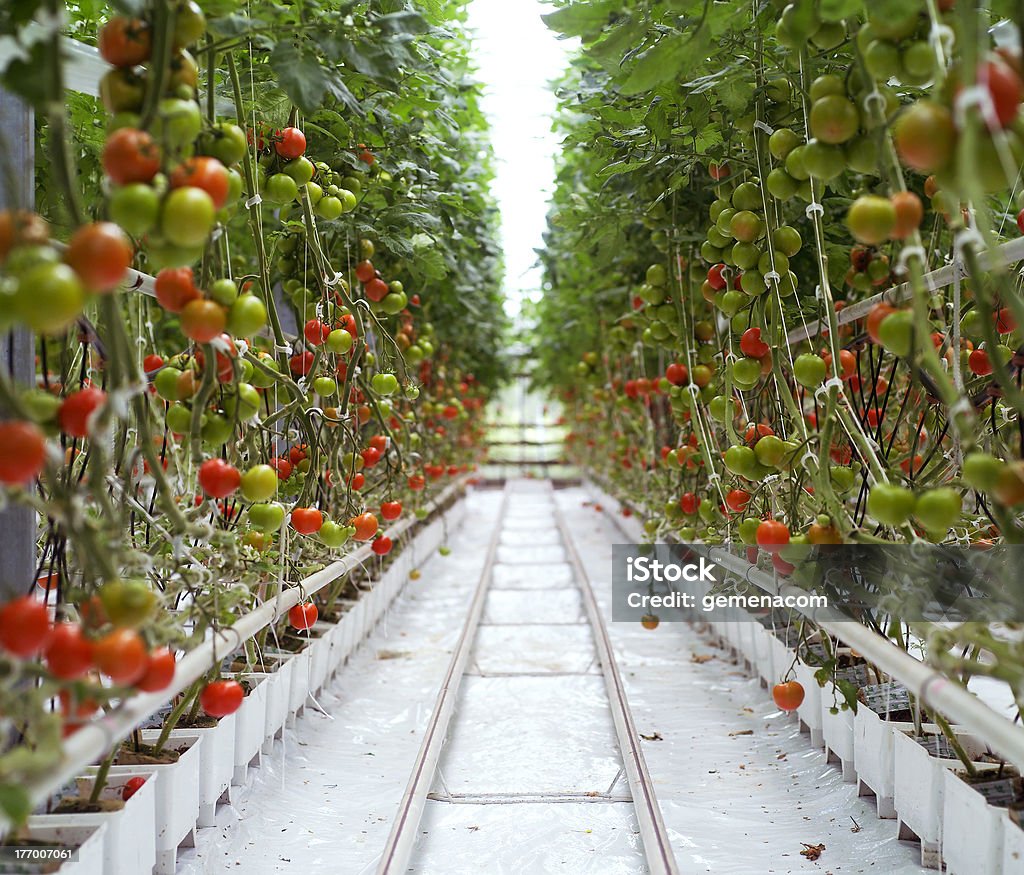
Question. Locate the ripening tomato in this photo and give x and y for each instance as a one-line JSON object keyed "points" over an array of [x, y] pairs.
{"points": [[132, 786], [121, 656], [130, 155], [221, 698], [22, 452], [69, 654], [159, 671], [175, 287], [307, 520], [365, 271], [204, 173], [925, 136], [24, 626], [125, 42], [218, 478], [290, 143], [772, 535], [75, 411], [316, 332], [752, 345], [391, 510], [366, 526], [788, 695], [381, 546], [202, 320], [874, 320], [99, 253], [909, 213], [302, 617]]}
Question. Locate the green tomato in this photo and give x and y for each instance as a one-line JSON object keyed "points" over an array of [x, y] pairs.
{"points": [[245, 403], [166, 382], [747, 530], [339, 341], [333, 535], [177, 124], [281, 189], [259, 483], [842, 478], [267, 518], [770, 450], [217, 429], [938, 509], [981, 470], [394, 303], [259, 378], [135, 207], [740, 460], [187, 217], [890, 504], [224, 141], [49, 297], [223, 291], [329, 208], [810, 370], [179, 418], [384, 384], [247, 315], [300, 169], [325, 386]]}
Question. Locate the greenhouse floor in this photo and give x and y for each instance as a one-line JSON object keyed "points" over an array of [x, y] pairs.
{"points": [[530, 779]]}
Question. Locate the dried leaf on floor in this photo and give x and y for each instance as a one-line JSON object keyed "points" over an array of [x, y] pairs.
{"points": [[655, 737], [701, 658], [741, 732], [811, 852]]}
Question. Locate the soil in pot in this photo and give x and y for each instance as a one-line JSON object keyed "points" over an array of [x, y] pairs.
{"points": [[200, 721], [82, 805], [1000, 790], [145, 756]]}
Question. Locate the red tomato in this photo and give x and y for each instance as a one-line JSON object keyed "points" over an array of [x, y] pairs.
{"points": [[772, 535], [159, 671], [979, 363], [366, 526], [391, 510], [121, 656], [752, 345], [788, 695], [99, 253], [302, 617], [132, 786], [316, 332], [677, 374], [202, 320], [689, 503], [152, 363], [68, 652], [376, 290], [24, 626], [175, 287], [738, 499], [371, 456], [125, 42], [218, 478], [75, 410], [307, 520], [22, 452], [381, 546], [204, 173], [282, 466], [416, 482], [130, 155], [290, 143], [301, 363], [221, 698]]}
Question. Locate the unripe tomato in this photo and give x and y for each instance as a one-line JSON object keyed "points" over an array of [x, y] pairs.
{"points": [[187, 216], [890, 504], [128, 603], [871, 219], [49, 297], [259, 483], [925, 136], [203, 320]]}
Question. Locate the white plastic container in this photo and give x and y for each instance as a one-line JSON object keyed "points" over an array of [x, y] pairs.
{"points": [[972, 839], [177, 796], [1013, 846], [216, 763], [837, 731], [919, 790], [250, 728], [810, 709], [129, 843], [89, 840], [874, 741]]}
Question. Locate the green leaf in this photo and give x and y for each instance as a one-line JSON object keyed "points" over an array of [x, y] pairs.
{"points": [[15, 803], [665, 61], [300, 75], [837, 10], [403, 22], [583, 19]]}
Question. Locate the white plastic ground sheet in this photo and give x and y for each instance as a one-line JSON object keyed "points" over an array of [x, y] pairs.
{"points": [[323, 802], [529, 781], [741, 790]]}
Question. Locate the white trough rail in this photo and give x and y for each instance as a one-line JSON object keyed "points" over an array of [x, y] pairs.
{"points": [[93, 740], [1007, 253], [933, 688]]}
